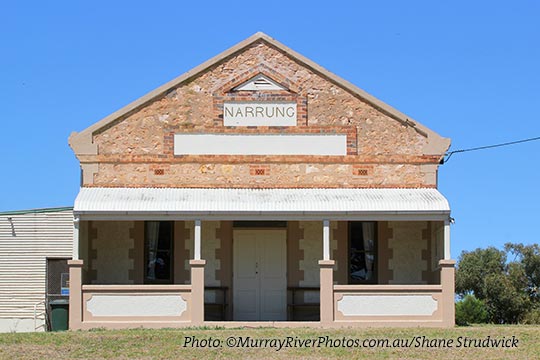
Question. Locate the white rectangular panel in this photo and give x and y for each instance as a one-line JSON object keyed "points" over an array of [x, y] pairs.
{"points": [[259, 114], [233, 144], [387, 305], [136, 305]]}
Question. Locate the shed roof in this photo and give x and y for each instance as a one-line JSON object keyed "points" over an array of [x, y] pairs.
{"points": [[36, 211]]}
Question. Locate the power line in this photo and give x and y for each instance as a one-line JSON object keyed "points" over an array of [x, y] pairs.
{"points": [[449, 154]]}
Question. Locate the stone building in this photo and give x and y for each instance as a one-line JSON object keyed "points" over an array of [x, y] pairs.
{"points": [[259, 187]]}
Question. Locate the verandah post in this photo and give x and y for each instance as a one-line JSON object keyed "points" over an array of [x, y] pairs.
{"points": [[75, 294], [327, 291], [197, 278], [326, 279], [76, 236], [447, 255], [448, 291]]}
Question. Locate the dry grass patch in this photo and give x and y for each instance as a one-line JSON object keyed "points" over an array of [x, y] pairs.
{"points": [[169, 343]]}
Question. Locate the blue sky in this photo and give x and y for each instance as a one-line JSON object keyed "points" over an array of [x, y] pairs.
{"points": [[467, 69]]}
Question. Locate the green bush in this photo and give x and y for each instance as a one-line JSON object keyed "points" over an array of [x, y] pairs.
{"points": [[532, 317], [471, 310]]}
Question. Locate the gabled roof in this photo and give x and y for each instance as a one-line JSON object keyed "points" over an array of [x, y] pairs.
{"points": [[82, 142]]}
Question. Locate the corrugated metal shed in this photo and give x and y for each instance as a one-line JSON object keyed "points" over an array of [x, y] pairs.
{"points": [[258, 201], [27, 238]]}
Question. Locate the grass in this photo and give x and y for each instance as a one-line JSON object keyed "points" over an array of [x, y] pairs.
{"points": [[169, 343]]}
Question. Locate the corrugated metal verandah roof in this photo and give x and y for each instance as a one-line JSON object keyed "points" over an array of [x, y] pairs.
{"points": [[169, 201]]}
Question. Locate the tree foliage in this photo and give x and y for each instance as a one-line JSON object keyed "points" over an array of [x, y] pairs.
{"points": [[505, 303], [509, 289], [473, 267], [528, 258]]}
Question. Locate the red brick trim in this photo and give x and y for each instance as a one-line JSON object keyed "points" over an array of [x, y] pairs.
{"points": [[259, 170], [362, 170], [293, 94], [247, 96], [219, 185], [361, 160], [254, 71]]}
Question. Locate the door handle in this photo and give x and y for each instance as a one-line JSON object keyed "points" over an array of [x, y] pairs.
{"points": [[256, 267]]}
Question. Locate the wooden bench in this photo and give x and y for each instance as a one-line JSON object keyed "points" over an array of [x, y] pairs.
{"points": [[296, 304]]}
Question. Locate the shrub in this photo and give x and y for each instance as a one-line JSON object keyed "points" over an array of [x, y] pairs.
{"points": [[532, 317], [471, 310]]}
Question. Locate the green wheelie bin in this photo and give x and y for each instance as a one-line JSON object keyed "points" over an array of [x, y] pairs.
{"points": [[59, 314]]}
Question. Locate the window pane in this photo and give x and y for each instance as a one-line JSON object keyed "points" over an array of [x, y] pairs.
{"points": [[362, 255], [163, 266], [158, 251], [151, 241]]}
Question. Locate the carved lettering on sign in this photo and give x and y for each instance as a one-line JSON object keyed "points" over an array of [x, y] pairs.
{"points": [[259, 114]]}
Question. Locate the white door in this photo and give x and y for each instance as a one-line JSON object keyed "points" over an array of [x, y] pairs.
{"points": [[259, 275]]}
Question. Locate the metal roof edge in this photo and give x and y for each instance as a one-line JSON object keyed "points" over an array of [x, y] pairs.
{"points": [[36, 211]]}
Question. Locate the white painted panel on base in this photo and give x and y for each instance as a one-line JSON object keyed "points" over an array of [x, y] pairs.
{"points": [[233, 144], [132, 305], [387, 305]]}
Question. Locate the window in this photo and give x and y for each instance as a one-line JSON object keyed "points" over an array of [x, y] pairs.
{"points": [[158, 252], [362, 252]]}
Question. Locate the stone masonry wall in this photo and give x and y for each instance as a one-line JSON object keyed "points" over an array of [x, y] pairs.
{"points": [[407, 245], [112, 244], [382, 152]]}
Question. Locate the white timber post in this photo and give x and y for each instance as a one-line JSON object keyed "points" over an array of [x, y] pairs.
{"points": [[197, 241], [447, 240], [326, 239], [76, 230]]}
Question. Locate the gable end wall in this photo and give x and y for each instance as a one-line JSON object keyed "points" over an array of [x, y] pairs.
{"points": [[137, 151]]}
